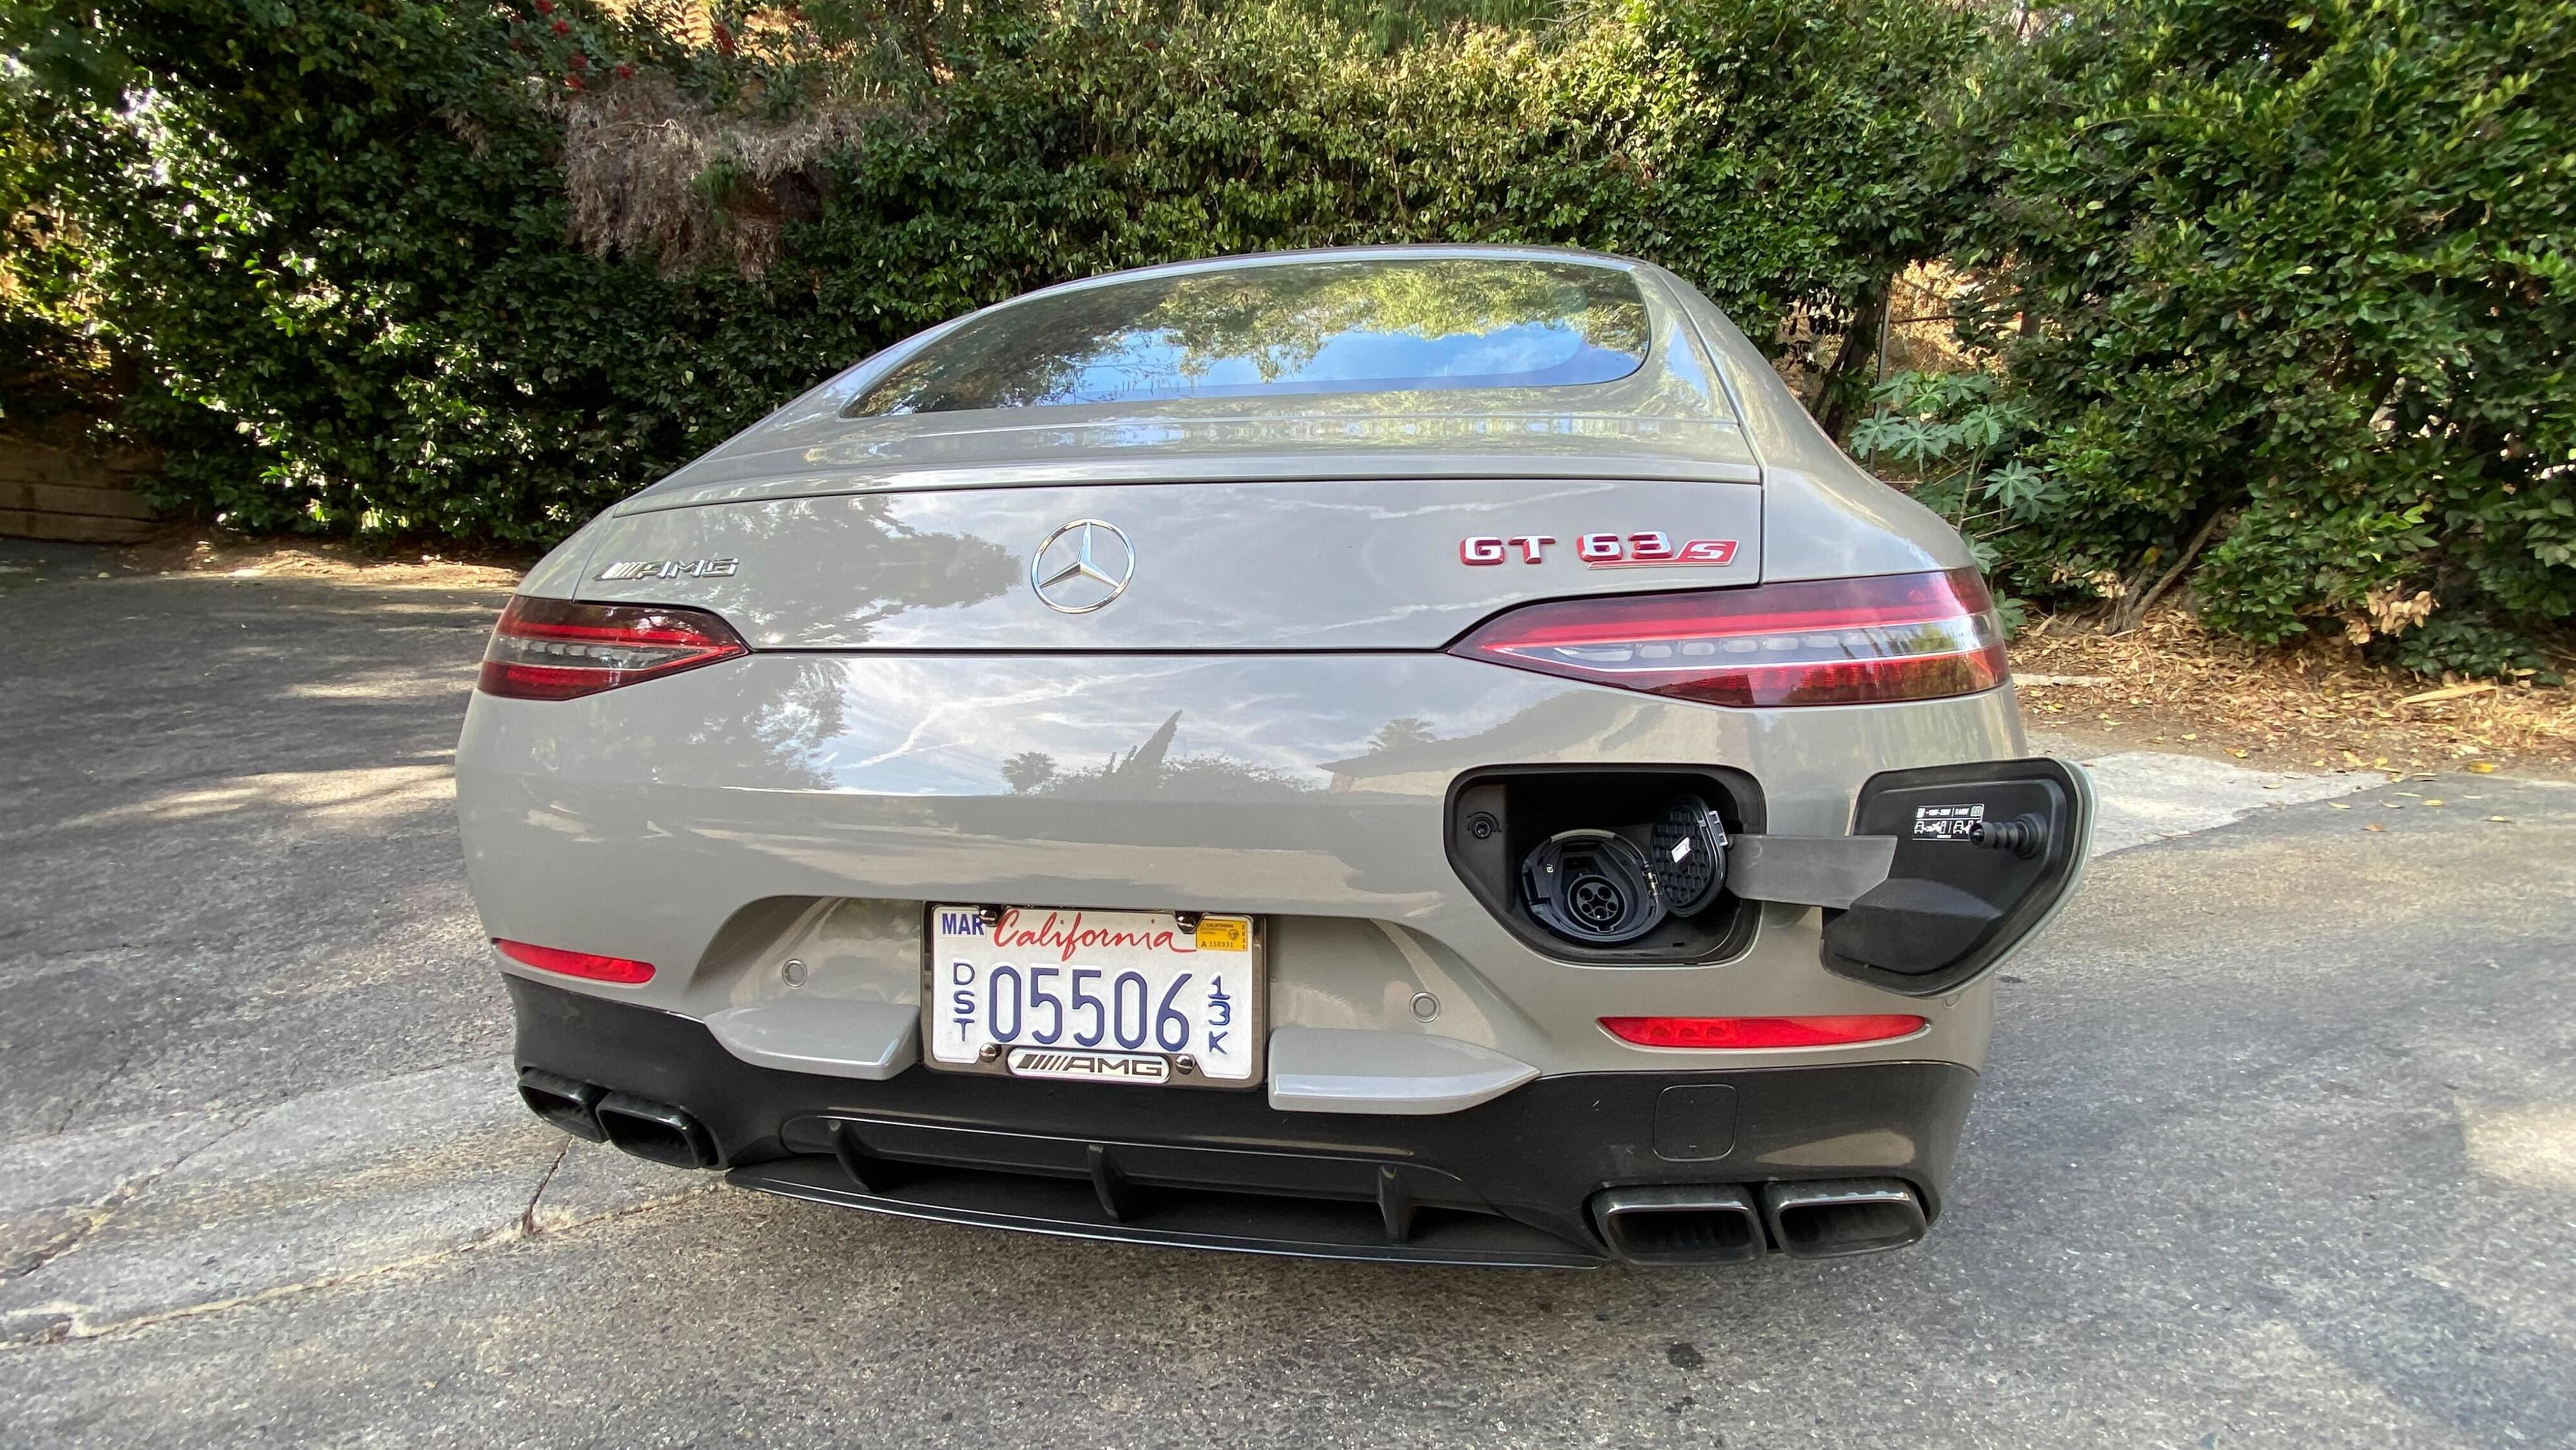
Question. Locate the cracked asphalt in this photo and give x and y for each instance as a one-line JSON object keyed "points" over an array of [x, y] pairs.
{"points": [[2278, 1143]]}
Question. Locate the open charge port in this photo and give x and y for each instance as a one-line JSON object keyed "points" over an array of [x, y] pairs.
{"points": [[1614, 831]]}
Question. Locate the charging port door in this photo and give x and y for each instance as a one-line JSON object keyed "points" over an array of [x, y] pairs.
{"points": [[1985, 852]]}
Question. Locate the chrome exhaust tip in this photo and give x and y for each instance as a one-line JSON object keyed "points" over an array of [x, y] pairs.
{"points": [[1664, 1224], [655, 1131], [1833, 1217]]}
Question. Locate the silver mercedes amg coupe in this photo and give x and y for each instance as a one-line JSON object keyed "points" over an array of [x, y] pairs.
{"points": [[1420, 753]]}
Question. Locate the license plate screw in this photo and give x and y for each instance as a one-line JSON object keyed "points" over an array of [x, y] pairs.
{"points": [[1186, 920], [988, 1052], [1185, 1064], [992, 916]]}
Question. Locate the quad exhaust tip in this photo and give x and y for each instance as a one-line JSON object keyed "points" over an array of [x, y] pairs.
{"points": [[568, 1104], [655, 1131], [1837, 1216], [650, 1130], [1679, 1225], [1831, 1218]]}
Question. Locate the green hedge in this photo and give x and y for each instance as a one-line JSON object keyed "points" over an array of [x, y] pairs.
{"points": [[51, 361], [354, 284], [2288, 280], [2299, 278]]}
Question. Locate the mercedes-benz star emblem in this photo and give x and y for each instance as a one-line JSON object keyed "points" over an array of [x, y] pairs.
{"points": [[1082, 566]]}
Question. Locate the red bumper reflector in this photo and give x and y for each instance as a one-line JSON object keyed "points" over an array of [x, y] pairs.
{"points": [[1753, 1032], [576, 964], [556, 649]]}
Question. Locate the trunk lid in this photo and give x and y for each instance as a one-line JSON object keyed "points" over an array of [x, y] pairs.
{"points": [[1311, 564]]}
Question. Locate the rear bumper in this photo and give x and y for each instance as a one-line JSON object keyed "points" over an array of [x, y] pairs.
{"points": [[1509, 1182], [722, 822]]}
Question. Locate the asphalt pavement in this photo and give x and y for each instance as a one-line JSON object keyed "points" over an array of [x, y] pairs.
{"points": [[2277, 1145]]}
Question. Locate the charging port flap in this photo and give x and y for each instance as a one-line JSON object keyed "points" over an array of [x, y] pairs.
{"points": [[1985, 853]]}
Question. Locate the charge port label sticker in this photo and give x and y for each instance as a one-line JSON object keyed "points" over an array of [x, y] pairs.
{"points": [[1946, 823]]}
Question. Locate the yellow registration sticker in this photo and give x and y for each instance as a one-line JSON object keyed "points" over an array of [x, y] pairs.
{"points": [[1224, 934]]}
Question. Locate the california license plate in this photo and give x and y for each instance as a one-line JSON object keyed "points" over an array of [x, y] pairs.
{"points": [[1140, 997]]}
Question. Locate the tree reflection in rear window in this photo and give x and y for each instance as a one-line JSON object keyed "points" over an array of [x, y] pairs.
{"points": [[1360, 326]]}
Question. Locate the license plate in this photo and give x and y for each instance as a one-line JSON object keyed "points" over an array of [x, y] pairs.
{"points": [[1095, 996]]}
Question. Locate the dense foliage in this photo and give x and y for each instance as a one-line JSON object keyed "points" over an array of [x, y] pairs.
{"points": [[2298, 279], [51, 361], [353, 271], [2274, 288]]}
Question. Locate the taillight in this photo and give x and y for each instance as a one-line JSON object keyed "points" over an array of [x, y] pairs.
{"points": [[1812, 642], [576, 964], [1740, 1033], [555, 649]]}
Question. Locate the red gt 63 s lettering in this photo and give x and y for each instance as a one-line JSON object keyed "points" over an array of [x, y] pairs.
{"points": [[1601, 551]]}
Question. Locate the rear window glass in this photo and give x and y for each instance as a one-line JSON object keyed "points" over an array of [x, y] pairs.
{"points": [[1357, 326]]}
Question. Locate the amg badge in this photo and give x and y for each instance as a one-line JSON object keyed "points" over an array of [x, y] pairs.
{"points": [[1090, 1066], [670, 569]]}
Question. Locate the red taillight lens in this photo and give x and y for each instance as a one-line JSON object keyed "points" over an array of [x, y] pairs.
{"points": [[555, 649], [576, 964], [1754, 1032], [1815, 642]]}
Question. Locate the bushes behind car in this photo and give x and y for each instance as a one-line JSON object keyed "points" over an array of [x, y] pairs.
{"points": [[2294, 282], [474, 271], [2279, 291]]}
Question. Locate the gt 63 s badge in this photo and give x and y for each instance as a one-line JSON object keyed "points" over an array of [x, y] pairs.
{"points": [[1601, 551]]}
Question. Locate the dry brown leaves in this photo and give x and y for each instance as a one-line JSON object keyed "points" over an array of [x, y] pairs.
{"points": [[2170, 686]]}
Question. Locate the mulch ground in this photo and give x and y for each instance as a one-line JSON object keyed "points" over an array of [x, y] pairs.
{"points": [[2169, 686], [183, 549]]}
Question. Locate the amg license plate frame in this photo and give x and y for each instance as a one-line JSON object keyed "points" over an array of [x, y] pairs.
{"points": [[1135, 998]]}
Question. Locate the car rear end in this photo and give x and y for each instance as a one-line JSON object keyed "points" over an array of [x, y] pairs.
{"points": [[1473, 834]]}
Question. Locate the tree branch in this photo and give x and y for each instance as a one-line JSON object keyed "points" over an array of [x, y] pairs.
{"points": [[2127, 618]]}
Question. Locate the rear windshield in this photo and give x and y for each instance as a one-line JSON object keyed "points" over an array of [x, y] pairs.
{"points": [[1359, 326]]}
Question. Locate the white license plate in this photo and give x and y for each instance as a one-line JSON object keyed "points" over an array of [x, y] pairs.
{"points": [[1094, 996]]}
